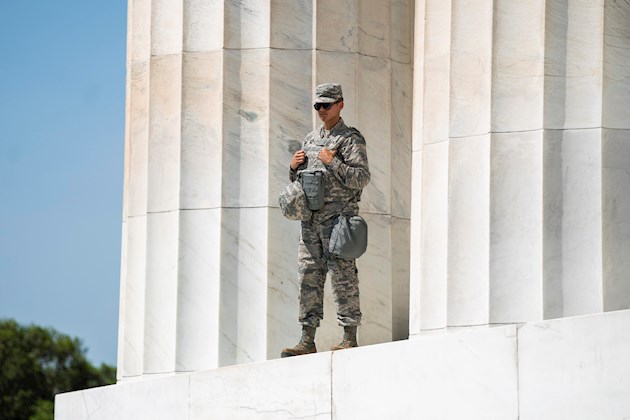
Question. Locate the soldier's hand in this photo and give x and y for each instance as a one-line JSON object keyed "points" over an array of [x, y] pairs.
{"points": [[298, 158], [326, 155]]}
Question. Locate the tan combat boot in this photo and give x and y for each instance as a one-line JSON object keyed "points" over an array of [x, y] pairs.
{"points": [[349, 339], [305, 346]]}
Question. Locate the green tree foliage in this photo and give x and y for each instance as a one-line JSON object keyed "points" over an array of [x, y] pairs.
{"points": [[35, 364]]}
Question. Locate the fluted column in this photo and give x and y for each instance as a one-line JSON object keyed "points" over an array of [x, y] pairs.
{"points": [[198, 291], [431, 147], [516, 186], [573, 164], [219, 98], [366, 45], [616, 156], [133, 258], [520, 161], [469, 163]]}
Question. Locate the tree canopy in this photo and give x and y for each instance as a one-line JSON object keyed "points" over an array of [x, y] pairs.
{"points": [[36, 363]]}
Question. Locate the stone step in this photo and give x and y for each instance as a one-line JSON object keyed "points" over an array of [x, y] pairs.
{"points": [[568, 368]]}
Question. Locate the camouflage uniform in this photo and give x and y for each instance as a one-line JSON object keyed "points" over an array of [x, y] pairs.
{"points": [[343, 181]]}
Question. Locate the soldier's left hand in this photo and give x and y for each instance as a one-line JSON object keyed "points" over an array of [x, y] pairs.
{"points": [[327, 156]]}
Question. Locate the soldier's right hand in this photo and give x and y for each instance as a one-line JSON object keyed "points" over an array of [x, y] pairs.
{"points": [[298, 158]]}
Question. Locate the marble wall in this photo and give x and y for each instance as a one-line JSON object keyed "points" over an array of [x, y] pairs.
{"points": [[497, 134], [520, 161], [218, 98]]}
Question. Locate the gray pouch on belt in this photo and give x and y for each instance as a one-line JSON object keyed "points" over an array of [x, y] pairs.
{"points": [[313, 186], [349, 236]]}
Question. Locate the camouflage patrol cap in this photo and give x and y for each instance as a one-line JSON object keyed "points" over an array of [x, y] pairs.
{"points": [[293, 204], [328, 93]]}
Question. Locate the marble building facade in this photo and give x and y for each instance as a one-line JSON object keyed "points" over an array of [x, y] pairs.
{"points": [[499, 144]]}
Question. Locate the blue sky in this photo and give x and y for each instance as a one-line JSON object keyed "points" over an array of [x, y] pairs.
{"points": [[62, 110]]}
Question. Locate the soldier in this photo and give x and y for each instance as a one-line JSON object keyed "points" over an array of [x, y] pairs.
{"points": [[337, 153]]}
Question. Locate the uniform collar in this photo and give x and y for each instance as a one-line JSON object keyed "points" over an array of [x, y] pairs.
{"points": [[336, 128]]}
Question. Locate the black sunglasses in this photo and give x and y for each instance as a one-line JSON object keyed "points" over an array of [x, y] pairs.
{"points": [[326, 106]]}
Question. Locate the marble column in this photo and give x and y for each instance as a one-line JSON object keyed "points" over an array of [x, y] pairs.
{"points": [[218, 98], [367, 46], [520, 161], [615, 156]]}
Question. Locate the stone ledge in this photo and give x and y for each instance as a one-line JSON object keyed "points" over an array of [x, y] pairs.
{"points": [[574, 368]]}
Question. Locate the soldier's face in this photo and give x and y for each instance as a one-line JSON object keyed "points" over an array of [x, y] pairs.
{"points": [[330, 116]]}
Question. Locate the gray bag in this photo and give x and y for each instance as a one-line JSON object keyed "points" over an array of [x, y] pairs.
{"points": [[348, 239], [292, 202], [313, 186]]}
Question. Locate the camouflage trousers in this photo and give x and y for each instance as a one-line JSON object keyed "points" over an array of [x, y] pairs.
{"points": [[314, 262]]}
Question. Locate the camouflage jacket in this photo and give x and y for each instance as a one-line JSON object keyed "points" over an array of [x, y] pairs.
{"points": [[347, 174]]}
